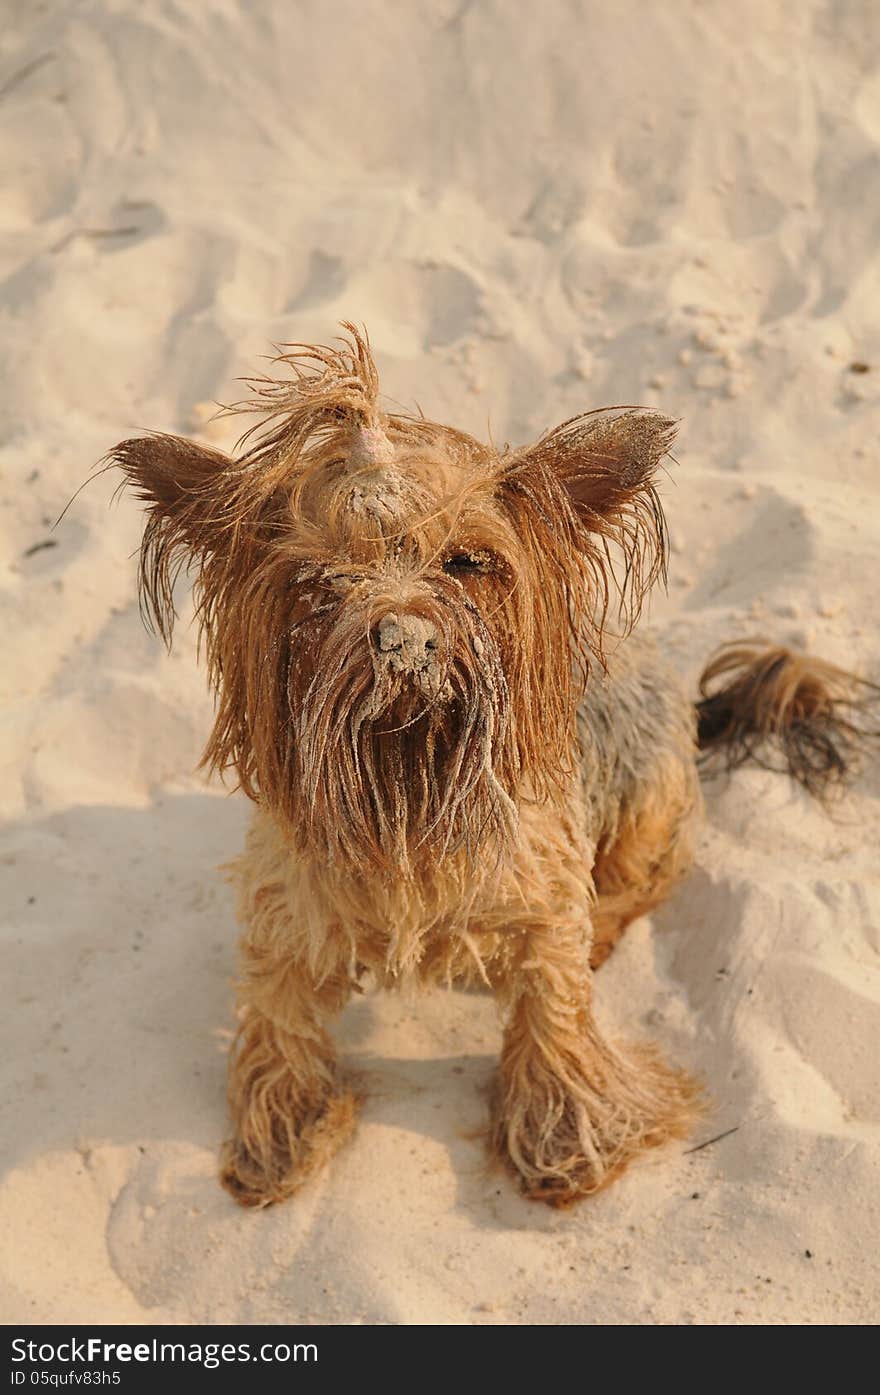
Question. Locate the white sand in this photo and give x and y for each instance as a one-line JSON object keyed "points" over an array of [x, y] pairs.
{"points": [[535, 210]]}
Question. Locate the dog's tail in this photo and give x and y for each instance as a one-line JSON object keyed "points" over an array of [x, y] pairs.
{"points": [[785, 711]]}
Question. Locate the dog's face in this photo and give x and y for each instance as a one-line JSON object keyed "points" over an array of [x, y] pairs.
{"points": [[395, 615]]}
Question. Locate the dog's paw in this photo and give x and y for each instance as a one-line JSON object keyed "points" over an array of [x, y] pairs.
{"points": [[581, 1179], [566, 1139], [261, 1174], [556, 1168], [242, 1177]]}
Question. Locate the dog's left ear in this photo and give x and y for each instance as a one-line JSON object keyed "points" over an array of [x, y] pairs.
{"points": [[590, 483], [185, 487]]}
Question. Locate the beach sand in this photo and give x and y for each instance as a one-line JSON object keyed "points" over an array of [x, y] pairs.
{"points": [[535, 211]]}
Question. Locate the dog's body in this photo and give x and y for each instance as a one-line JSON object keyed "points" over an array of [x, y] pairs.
{"points": [[454, 782], [528, 928]]}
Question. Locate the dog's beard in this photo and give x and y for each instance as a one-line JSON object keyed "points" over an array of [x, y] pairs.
{"points": [[396, 771]]}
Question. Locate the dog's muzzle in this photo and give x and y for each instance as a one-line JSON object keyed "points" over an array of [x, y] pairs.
{"points": [[408, 644], [409, 647]]}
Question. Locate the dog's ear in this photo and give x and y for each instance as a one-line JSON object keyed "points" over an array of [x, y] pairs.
{"points": [[587, 486], [181, 482], [606, 460]]}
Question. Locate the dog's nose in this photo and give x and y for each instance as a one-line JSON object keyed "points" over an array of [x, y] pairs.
{"points": [[408, 641]]}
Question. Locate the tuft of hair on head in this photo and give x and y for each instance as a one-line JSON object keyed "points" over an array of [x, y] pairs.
{"points": [[585, 492], [785, 711], [326, 387]]}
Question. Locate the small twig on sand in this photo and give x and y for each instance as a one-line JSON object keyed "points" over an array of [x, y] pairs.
{"points": [[717, 1139]]}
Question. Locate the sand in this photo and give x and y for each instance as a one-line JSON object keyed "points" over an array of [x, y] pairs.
{"points": [[535, 210]]}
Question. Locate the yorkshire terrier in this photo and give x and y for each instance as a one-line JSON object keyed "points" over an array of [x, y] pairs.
{"points": [[454, 782]]}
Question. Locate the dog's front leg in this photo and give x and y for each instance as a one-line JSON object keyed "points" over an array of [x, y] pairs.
{"points": [[570, 1110], [290, 1111]]}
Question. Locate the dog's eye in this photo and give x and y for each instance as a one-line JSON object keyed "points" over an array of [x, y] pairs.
{"points": [[461, 563]]}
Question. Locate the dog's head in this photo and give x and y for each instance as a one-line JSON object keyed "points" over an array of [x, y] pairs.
{"points": [[398, 619]]}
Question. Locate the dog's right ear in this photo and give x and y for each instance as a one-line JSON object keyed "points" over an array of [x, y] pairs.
{"points": [[184, 486]]}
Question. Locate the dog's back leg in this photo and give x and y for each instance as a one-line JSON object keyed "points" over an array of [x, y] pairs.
{"points": [[650, 850], [641, 791]]}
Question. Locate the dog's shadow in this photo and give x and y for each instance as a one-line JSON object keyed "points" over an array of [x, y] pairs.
{"points": [[119, 990]]}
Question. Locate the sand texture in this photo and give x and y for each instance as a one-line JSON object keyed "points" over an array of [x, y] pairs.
{"points": [[535, 210]]}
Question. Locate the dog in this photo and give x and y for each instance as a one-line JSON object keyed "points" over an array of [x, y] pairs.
{"points": [[455, 780]]}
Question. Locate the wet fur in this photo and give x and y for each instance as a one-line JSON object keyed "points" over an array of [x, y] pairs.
{"points": [[785, 711], [407, 633]]}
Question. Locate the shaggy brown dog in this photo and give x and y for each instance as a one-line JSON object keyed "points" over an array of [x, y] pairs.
{"points": [[406, 633]]}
